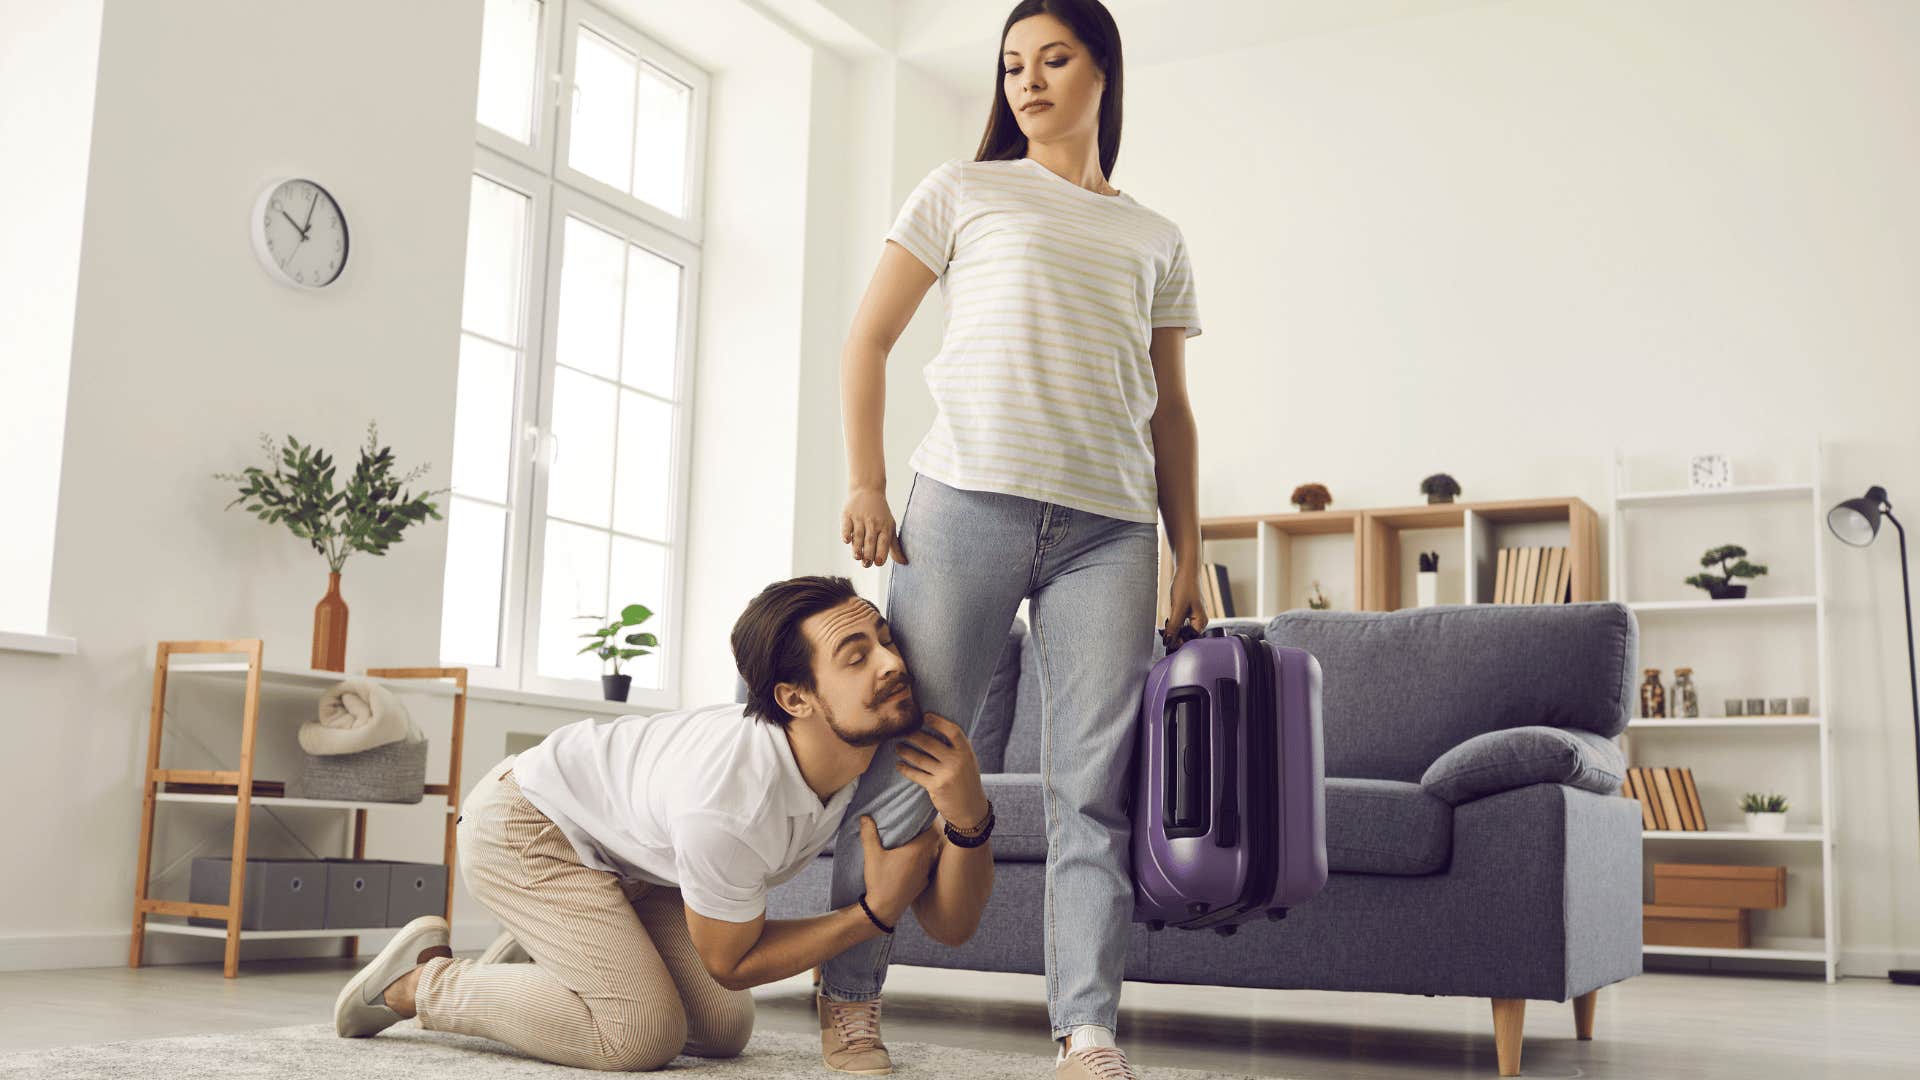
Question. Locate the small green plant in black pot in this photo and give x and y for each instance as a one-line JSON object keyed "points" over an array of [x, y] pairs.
{"points": [[1440, 488], [607, 644], [1720, 586]]}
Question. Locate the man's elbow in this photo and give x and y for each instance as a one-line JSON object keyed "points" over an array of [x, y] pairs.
{"points": [[729, 979]]}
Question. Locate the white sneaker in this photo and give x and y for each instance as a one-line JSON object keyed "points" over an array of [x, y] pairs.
{"points": [[361, 1009], [504, 950]]}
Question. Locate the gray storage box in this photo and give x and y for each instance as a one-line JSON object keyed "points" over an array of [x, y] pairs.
{"points": [[356, 894], [278, 894], [415, 889], [396, 772]]}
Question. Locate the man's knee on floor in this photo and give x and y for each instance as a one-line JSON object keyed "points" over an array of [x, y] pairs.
{"points": [[724, 1031], [641, 1040]]}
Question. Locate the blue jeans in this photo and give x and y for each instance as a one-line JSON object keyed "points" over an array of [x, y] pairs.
{"points": [[1090, 581]]}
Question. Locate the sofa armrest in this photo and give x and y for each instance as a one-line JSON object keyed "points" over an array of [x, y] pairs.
{"points": [[1516, 757]]}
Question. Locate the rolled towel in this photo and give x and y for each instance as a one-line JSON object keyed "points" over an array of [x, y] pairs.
{"points": [[357, 715]]}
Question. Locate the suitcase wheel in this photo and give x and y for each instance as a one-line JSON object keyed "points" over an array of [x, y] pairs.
{"points": [[1225, 931], [1276, 914], [1156, 924], [1196, 908]]}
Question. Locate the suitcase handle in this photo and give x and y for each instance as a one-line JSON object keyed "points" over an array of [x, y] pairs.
{"points": [[1188, 764], [1228, 701]]}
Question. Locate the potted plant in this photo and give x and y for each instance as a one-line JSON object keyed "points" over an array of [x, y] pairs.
{"points": [[1765, 813], [1440, 488], [604, 645], [1317, 600], [1310, 497], [368, 515], [1720, 586]]}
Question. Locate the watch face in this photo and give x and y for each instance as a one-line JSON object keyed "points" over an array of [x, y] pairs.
{"points": [[300, 233]]}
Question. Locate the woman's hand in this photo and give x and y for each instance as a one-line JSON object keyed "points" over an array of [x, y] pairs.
{"points": [[1184, 606], [948, 770], [867, 524]]}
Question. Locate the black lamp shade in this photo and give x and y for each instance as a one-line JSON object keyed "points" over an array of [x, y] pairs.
{"points": [[1857, 521]]}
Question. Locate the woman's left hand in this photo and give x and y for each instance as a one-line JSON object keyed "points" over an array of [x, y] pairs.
{"points": [[1184, 606]]}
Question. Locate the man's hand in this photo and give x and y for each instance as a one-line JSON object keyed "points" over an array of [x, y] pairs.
{"points": [[940, 759], [895, 877]]}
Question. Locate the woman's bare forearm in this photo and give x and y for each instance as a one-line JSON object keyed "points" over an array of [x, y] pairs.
{"points": [[863, 405], [1176, 469]]}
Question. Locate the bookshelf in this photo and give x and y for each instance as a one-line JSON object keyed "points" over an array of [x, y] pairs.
{"points": [[1364, 557], [1775, 640]]}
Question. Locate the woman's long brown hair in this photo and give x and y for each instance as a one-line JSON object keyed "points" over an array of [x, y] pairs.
{"points": [[1093, 25]]}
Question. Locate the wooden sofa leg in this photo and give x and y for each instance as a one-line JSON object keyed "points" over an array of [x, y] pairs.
{"points": [[1583, 1013], [1509, 1016]]}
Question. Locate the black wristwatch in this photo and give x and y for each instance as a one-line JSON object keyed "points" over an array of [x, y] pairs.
{"points": [[966, 840]]}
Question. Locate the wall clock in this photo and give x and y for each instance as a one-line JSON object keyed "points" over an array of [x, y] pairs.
{"points": [[300, 234]]}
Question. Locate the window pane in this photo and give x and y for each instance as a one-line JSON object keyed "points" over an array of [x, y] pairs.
{"points": [[496, 260], [581, 481], [470, 604], [509, 61], [640, 577], [653, 322], [483, 419], [601, 140], [574, 584], [590, 279], [642, 482], [660, 166]]}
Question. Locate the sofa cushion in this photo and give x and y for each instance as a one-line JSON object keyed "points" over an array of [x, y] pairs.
{"points": [[1516, 757], [1386, 827], [1401, 688], [993, 724]]}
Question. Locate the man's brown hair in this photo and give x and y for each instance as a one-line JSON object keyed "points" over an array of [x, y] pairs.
{"points": [[769, 647]]}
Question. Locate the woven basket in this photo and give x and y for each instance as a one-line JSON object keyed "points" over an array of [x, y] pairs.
{"points": [[396, 772]]}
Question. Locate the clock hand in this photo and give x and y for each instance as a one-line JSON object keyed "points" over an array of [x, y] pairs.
{"points": [[310, 206], [295, 224]]}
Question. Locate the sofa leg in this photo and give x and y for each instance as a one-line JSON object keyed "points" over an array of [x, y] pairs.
{"points": [[1583, 1013], [1509, 1015]]}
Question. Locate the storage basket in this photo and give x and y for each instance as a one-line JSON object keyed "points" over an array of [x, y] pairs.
{"points": [[396, 773]]}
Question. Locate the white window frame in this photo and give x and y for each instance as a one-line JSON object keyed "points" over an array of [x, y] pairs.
{"points": [[538, 169]]}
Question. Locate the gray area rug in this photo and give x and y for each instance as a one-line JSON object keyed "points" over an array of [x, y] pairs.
{"points": [[314, 1052]]}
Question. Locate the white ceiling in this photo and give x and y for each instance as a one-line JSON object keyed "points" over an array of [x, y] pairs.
{"points": [[956, 40]]}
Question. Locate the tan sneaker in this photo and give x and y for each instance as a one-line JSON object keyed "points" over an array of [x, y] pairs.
{"points": [[850, 1036], [1094, 1063]]}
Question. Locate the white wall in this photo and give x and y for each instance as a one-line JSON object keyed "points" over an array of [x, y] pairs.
{"points": [[48, 59], [1503, 240]]}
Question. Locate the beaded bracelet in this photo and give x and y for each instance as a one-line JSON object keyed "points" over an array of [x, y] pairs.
{"points": [[875, 919]]}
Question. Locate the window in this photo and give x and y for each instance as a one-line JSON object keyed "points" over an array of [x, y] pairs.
{"points": [[570, 426]]}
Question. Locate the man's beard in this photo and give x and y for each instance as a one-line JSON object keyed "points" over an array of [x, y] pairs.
{"points": [[890, 724]]}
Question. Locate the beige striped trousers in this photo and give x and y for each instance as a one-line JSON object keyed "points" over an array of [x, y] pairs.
{"points": [[615, 982]]}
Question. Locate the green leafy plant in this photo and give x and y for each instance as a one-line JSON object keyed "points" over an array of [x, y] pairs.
{"points": [[1317, 600], [1755, 803], [297, 488], [1729, 569], [604, 643], [1440, 488]]}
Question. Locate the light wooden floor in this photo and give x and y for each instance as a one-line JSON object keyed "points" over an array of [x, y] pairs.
{"points": [[1676, 1026]]}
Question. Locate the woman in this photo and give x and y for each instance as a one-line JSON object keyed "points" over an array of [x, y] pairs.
{"points": [[1063, 426]]}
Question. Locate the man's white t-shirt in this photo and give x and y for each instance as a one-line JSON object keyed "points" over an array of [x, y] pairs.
{"points": [[709, 800], [1044, 382]]}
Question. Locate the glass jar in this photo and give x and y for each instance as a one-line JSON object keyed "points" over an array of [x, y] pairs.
{"points": [[1653, 696], [1685, 701]]}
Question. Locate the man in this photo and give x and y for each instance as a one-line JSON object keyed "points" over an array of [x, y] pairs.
{"points": [[631, 858]]}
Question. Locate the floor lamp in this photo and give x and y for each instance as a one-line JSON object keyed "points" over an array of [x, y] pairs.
{"points": [[1857, 522]]}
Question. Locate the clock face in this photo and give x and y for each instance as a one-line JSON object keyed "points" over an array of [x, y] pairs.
{"points": [[1710, 471], [300, 233]]}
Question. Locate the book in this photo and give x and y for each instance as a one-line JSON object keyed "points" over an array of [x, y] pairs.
{"points": [[1500, 577], [1678, 780], [1653, 799], [1210, 587], [1226, 593], [1693, 799], [1669, 805], [1530, 577], [1646, 808], [1552, 576], [1562, 592]]}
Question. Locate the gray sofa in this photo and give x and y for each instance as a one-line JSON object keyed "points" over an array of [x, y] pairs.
{"points": [[1476, 837]]}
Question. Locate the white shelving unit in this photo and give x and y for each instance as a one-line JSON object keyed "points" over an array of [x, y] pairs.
{"points": [[1726, 617]]}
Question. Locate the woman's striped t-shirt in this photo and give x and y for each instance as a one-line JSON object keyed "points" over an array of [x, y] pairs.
{"points": [[1043, 383]]}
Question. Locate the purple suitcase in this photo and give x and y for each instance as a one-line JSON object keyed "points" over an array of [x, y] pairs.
{"points": [[1229, 798]]}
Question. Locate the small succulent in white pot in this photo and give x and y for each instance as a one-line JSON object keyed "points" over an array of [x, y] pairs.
{"points": [[1765, 813]]}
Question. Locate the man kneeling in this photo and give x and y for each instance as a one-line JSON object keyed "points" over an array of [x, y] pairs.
{"points": [[631, 858]]}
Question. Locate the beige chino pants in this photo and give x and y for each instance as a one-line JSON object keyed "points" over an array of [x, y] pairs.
{"points": [[615, 982]]}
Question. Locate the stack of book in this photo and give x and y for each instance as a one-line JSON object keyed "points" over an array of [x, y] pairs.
{"points": [[1669, 800], [1215, 596], [1533, 575]]}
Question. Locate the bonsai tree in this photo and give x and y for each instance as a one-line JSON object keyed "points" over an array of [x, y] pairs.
{"points": [[604, 645], [1755, 803], [1312, 497], [368, 515], [1720, 586], [1440, 488]]}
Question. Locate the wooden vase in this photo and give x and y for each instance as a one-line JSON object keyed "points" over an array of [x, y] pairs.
{"points": [[330, 629]]}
